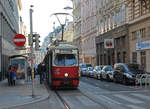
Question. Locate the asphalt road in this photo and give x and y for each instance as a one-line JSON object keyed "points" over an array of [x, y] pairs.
{"points": [[96, 94]]}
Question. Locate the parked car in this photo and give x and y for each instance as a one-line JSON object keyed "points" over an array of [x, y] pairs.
{"points": [[97, 72], [90, 71], [107, 73], [83, 69], [126, 73]]}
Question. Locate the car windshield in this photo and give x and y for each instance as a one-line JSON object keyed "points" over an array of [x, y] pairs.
{"points": [[65, 60], [109, 68], [90, 68], [98, 68], [132, 67], [83, 65]]}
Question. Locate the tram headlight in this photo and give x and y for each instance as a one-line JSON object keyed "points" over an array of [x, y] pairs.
{"points": [[66, 75]]}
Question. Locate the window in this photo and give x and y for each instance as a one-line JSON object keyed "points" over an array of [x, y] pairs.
{"points": [[65, 60], [142, 32], [134, 57], [134, 35]]}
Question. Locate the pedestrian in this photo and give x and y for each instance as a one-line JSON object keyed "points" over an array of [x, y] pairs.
{"points": [[13, 76], [29, 70], [9, 75], [42, 73]]}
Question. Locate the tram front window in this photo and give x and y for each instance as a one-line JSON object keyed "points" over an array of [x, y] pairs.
{"points": [[65, 60]]}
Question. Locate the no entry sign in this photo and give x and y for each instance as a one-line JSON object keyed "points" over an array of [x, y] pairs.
{"points": [[19, 40]]}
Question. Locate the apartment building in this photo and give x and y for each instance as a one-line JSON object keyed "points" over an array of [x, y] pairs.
{"points": [[112, 19], [139, 32], [77, 25], [88, 30]]}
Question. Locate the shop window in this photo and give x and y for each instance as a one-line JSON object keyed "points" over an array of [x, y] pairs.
{"points": [[118, 57]]}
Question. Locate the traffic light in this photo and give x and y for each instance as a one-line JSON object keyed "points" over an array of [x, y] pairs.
{"points": [[30, 40], [37, 42]]}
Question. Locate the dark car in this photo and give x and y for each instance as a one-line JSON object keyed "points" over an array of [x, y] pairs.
{"points": [[126, 73]]}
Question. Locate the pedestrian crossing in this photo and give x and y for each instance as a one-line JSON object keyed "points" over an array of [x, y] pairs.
{"points": [[130, 100]]}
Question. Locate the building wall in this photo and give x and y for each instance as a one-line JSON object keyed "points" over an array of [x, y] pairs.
{"points": [[77, 25], [88, 30], [9, 27], [112, 24], [139, 28]]}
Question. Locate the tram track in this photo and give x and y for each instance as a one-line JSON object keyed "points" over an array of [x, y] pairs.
{"points": [[67, 106]]}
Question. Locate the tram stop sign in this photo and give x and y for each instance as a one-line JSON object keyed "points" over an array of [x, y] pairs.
{"points": [[19, 40]]}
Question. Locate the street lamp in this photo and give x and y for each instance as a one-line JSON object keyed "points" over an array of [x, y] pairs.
{"points": [[60, 22]]}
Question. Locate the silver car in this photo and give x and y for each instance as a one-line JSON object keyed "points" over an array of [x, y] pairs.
{"points": [[97, 72], [90, 71], [107, 73]]}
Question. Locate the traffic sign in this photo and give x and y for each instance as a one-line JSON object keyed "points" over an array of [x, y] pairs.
{"points": [[19, 40]]}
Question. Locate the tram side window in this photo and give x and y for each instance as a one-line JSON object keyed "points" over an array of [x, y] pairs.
{"points": [[65, 60]]}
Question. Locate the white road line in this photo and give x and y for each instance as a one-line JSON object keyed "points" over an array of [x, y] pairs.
{"points": [[135, 107], [142, 96], [129, 99], [108, 100]]}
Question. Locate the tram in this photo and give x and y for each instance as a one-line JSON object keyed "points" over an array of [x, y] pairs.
{"points": [[62, 65]]}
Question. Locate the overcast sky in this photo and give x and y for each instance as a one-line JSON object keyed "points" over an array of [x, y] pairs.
{"points": [[42, 23]]}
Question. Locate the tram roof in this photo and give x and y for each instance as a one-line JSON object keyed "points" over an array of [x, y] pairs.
{"points": [[62, 45]]}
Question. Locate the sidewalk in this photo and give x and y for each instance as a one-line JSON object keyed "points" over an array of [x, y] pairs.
{"points": [[20, 94]]}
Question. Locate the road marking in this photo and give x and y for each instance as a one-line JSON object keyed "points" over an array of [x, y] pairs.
{"points": [[108, 100], [135, 107], [141, 96], [85, 101], [129, 99]]}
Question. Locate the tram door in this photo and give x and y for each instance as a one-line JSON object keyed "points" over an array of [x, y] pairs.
{"points": [[50, 67]]}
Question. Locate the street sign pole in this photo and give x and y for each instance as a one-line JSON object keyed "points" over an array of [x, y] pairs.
{"points": [[31, 33]]}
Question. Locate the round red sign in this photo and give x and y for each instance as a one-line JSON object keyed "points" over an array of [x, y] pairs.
{"points": [[19, 40]]}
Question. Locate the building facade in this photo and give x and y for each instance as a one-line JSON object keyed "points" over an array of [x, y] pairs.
{"points": [[77, 25], [139, 32], [88, 30], [112, 24], [9, 27]]}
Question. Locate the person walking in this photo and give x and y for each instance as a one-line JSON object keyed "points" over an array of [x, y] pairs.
{"points": [[13, 76], [9, 75], [29, 70]]}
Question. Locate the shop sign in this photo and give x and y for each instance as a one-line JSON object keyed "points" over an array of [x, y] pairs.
{"points": [[108, 43], [142, 45]]}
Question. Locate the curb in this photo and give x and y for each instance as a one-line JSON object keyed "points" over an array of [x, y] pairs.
{"points": [[29, 102]]}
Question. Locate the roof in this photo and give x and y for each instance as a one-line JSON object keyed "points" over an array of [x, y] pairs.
{"points": [[62, 45]]}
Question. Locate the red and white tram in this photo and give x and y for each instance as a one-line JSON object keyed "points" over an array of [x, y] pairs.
{"points": [[62, 65]]}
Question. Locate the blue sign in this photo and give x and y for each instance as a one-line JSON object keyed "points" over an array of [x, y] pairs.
{"points": [[142, 45]]}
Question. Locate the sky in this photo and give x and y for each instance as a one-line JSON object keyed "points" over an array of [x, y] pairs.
{"points": [[43, 9]]}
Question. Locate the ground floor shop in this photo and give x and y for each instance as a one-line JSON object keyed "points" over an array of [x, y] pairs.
{"points": [[120, 51], [139, 38]]}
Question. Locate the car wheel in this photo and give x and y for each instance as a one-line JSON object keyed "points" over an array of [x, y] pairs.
{"points": [[115, 79], [108, 78], [124, 81]]}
